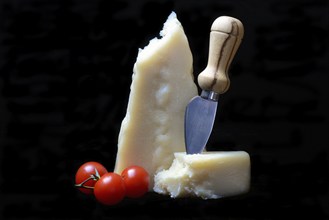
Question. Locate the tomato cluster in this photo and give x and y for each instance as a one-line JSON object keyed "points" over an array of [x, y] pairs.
{"points": [[110, 188]]}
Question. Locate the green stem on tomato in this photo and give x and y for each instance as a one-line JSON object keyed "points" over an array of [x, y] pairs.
{"points": [[81, 184], [95, 177]]}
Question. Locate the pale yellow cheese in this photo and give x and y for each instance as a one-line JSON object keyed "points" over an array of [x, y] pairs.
{"points": [[162, 85], [209, 175], [153, 128]]}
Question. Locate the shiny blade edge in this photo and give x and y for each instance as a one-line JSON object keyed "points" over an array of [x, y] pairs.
{"points": [[199, 120]]}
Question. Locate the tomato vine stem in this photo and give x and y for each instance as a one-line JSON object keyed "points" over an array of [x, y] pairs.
{"points": [[94, 177]]}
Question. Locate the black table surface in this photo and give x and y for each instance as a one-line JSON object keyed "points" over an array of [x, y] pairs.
{"points": [[65, 73]]}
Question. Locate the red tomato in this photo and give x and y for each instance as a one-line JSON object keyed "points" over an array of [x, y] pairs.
{"points": [[87, 175], [136, 180], [110, 189]]}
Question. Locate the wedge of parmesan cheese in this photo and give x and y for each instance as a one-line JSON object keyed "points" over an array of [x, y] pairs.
{"points": [[162, 85], [209, 175], [152, 131]]}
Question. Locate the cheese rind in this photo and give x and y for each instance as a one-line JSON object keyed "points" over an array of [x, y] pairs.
{"points": [[162, 86], [209, 175]]}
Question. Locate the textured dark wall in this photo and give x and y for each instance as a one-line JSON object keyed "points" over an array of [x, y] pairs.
{"points": [[65, 72]]}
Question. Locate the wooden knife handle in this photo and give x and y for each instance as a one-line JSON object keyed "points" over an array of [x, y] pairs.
{"points": [[225, 37]]}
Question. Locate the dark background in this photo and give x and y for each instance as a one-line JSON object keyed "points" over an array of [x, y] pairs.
{"points": [[65, 72]]}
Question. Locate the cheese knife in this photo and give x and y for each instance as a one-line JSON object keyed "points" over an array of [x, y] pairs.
{"points": [[225, 37]]}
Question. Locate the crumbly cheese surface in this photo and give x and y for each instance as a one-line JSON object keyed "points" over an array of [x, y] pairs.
{"points": [[209, 175], [153, 128], [162, 85]]}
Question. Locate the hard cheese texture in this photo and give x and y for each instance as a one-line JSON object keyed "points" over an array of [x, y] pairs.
{"points": [[209, 175], [153, 128], [162, 85]]}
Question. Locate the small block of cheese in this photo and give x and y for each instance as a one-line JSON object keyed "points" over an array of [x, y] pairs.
{"points": [[162, 85], [209, 175]]}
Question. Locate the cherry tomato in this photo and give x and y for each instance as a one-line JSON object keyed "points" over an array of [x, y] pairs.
{"points": [[110, 189], [136, 180], [87, 175]]}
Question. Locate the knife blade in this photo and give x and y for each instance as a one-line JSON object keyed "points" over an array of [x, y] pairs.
{"points": [[225, 37]]}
